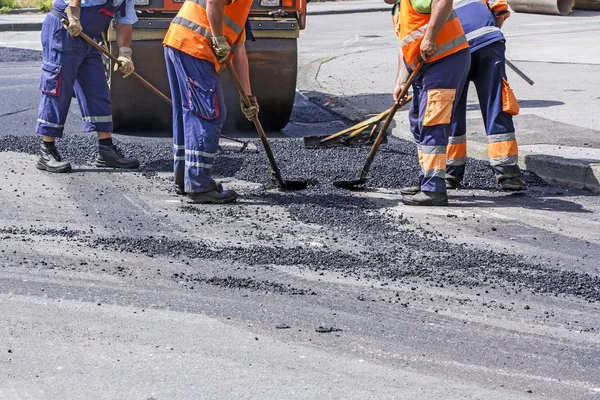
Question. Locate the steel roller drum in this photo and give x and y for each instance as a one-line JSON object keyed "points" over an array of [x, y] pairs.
{"points": [[273, 71]]}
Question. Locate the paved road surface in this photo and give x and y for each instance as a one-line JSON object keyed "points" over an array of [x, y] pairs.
{"points": [[112, 287]]}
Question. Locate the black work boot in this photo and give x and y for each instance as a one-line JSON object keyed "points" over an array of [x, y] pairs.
{"points": [[111, 156], [212, 197], [513, 184], [452, 183], [410, 190], [51, 161], [179, 186], [426, 199]]}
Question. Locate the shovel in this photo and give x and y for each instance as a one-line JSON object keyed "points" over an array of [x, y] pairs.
{"points": [[143, 81], [277, 179], [355, 184]]}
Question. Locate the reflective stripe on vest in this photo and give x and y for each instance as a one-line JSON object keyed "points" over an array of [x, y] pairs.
{"points": [[413, 26], [476, 18], [190, 32]]}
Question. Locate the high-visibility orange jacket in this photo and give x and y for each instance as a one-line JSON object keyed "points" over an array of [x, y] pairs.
{"points": [[190, 32], [412, 29]]}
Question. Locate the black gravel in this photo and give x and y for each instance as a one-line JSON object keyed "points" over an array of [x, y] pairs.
{"points": [[9, 54], [232, 282]]}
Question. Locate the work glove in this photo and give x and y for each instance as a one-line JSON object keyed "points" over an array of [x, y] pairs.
{"points": [[221, 48], [252, 111], [73, 16], [126, 63]]}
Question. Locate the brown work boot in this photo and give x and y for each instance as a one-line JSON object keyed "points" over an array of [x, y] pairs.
{"points": [[212, 197], [514, 184], [410, 190], [180, 188], [426, 199]]}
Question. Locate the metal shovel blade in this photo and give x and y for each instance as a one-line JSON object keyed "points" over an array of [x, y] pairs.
{"points": [[291, 185], [351, 185]]}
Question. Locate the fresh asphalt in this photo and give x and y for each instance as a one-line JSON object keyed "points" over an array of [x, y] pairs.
{"points": [[112, 287]]}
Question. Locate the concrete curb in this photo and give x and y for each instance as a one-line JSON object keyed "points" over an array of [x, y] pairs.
{"points": [[349, 11], [559, 171], [25, 11], [20, 27]]}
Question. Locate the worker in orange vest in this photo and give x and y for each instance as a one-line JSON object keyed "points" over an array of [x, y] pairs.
{"points": [[430, 34], [200, 38], [481, 21]]}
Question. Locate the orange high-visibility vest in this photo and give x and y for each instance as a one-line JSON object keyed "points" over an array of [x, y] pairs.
{"points": [[190, 32], [412, 29]]}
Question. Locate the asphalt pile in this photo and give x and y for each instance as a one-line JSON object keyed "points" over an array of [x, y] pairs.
{"points": [[395, 165]]}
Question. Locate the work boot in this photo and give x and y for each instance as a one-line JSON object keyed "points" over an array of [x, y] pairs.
{"points": [[513, 184], [212, 197], [426, 199], [410, 190], [112, 156], [180, 188], [452, 183], [51, 161]]}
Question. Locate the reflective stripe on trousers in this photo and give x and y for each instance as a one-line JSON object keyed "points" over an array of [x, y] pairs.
{"points": [[448, 73], [195, 139], [486, 72]]}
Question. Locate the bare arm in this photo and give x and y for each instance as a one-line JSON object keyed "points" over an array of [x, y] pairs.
{"points": [[240, 64], [124, 35], [75, 3], [440, 11], [401, 77], [215, 11]]}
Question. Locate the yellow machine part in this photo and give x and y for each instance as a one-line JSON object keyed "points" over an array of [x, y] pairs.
{"points": [[273, 70]]}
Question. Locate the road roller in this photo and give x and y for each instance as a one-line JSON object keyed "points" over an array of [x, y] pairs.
{"points": [[273, 59]]}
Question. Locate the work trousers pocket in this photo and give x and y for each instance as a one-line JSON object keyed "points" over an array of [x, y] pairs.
{"points": [[202, 99], [509, 101], [51, 77], [439, 107]]}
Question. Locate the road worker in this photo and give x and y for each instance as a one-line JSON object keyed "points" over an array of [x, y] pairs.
{"points": [[200, 38], [481, 20], [430, 34], [70, 65]]}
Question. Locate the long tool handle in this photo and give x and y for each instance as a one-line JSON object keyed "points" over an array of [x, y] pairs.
{"points": [[116, 60], [386, 125], [519, 72], [259, 128], [367, 122]]}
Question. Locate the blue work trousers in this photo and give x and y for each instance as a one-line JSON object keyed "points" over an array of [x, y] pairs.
{"points": [[71, 65], [436, 89], [487, 72], [198, 115]]}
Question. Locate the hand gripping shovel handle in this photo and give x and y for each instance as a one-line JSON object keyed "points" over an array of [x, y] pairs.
{"points": [[386, 125], [116, 60], [259, 128]]}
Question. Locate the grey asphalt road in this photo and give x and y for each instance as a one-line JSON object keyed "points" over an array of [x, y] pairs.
{"points": [[112, 287]]}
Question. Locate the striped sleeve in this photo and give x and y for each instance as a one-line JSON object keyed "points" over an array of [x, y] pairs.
{"points": [[498, 7]]}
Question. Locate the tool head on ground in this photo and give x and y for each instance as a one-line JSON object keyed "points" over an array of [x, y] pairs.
{"points": [[352, 136], [362, 180], [277, 179]]}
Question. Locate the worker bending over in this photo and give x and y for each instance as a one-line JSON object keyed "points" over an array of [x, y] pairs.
{"points": [[481, 21], [72, 65], [430, 33], [201, 37]]}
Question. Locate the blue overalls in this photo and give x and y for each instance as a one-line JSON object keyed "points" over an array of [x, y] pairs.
{"points": [[198, 116], [72, 65], [443, 79], [488, 73]]}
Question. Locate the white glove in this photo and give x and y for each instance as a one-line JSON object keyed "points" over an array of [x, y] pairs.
{"points": [[73, 15], [125, 64], [221, 48]]}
